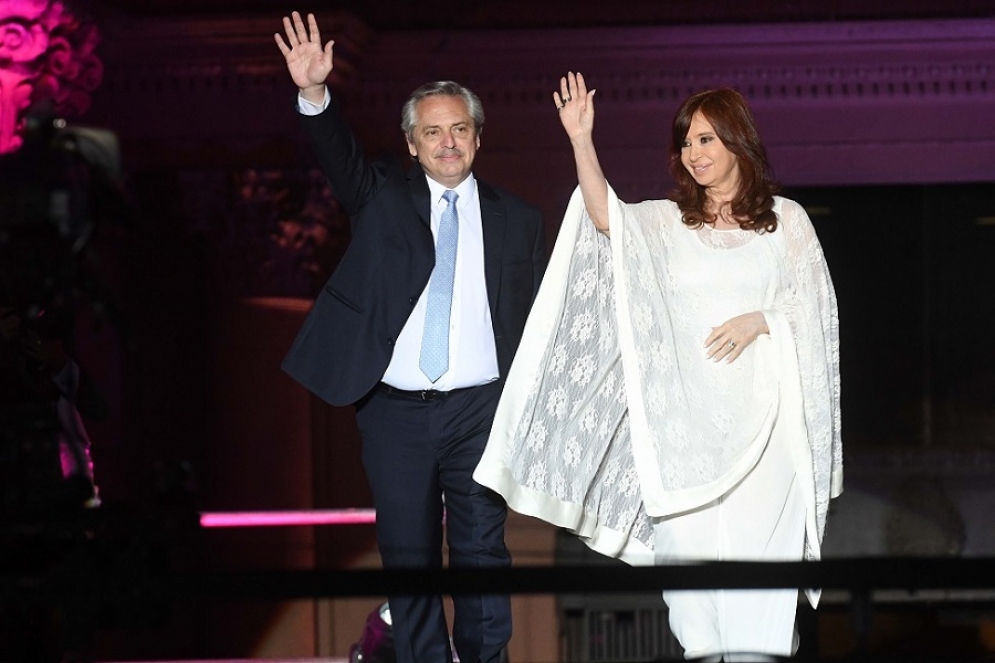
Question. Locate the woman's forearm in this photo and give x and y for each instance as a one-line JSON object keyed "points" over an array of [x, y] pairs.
{"points": [[593, 186]]}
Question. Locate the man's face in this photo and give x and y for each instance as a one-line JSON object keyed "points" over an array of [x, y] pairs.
{"points": [[444, 139]]}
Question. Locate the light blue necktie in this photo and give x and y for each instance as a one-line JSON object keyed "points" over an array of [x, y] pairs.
{"points": [[434, 359]]}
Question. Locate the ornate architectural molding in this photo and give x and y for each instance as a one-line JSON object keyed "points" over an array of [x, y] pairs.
{"points": [[821, 63], [839, 103], [46, 57], [782, 62], [198, 57]]}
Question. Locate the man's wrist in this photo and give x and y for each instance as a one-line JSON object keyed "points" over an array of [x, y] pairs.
{"points": [[314, 94]]}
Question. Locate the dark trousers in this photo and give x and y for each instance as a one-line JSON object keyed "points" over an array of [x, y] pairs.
{"points": [[417, 453]]}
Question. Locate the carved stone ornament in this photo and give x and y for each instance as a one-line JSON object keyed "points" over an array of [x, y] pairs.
{"points": [[46, 55]]}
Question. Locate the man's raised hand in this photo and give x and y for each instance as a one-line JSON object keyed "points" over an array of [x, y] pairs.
{"points": [[309, 64]]}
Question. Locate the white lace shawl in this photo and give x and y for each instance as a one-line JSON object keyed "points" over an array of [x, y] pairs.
{"points": [[611, 414]]}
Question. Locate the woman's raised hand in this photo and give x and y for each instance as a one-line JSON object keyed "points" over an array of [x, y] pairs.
{"points": [[575, 105], [309, 64]]}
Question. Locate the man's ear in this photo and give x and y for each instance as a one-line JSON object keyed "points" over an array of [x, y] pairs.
{"points": [[412, 150]]}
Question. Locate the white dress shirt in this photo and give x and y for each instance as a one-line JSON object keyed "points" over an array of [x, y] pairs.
{"points": [[472, 353]]}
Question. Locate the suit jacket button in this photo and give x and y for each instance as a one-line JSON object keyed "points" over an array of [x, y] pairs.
{"points": [[390, 342]]}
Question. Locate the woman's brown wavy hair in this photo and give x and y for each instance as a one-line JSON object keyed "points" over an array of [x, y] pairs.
{"points": [[726, 110]]}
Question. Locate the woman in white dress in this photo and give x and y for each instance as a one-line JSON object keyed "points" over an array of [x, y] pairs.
{"points": [[676, 395]]}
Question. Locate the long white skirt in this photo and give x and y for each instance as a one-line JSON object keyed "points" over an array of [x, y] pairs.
{"points": [[761, 519]]}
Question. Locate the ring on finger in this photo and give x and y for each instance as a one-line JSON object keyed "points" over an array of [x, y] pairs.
{"points": [[731, 344]]}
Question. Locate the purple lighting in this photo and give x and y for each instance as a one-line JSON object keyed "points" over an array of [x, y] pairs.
{"points": [[288, 518]]}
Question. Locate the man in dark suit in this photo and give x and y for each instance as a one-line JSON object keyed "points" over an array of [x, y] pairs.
{"points": [[417, 327]]}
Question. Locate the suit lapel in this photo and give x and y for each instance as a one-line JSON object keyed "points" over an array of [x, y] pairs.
{"points": [[420, 194], [492, 219]]}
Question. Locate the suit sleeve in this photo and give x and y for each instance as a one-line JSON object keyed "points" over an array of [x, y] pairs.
{"points": [[353, 178]]}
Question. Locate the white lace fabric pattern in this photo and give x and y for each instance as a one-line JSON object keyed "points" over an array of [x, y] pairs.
{"points": [[612, 415]]}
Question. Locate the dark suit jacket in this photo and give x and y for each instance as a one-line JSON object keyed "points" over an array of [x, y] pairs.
{"points": [[345, 345]]}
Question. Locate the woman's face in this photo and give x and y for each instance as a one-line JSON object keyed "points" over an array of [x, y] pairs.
{"points": [[708, 160]]}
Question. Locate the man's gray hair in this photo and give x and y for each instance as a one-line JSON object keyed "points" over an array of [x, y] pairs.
{"points": [[449, 88]]}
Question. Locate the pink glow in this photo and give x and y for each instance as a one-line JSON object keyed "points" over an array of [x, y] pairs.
{"points": [[46, 54], [288, 518]]}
